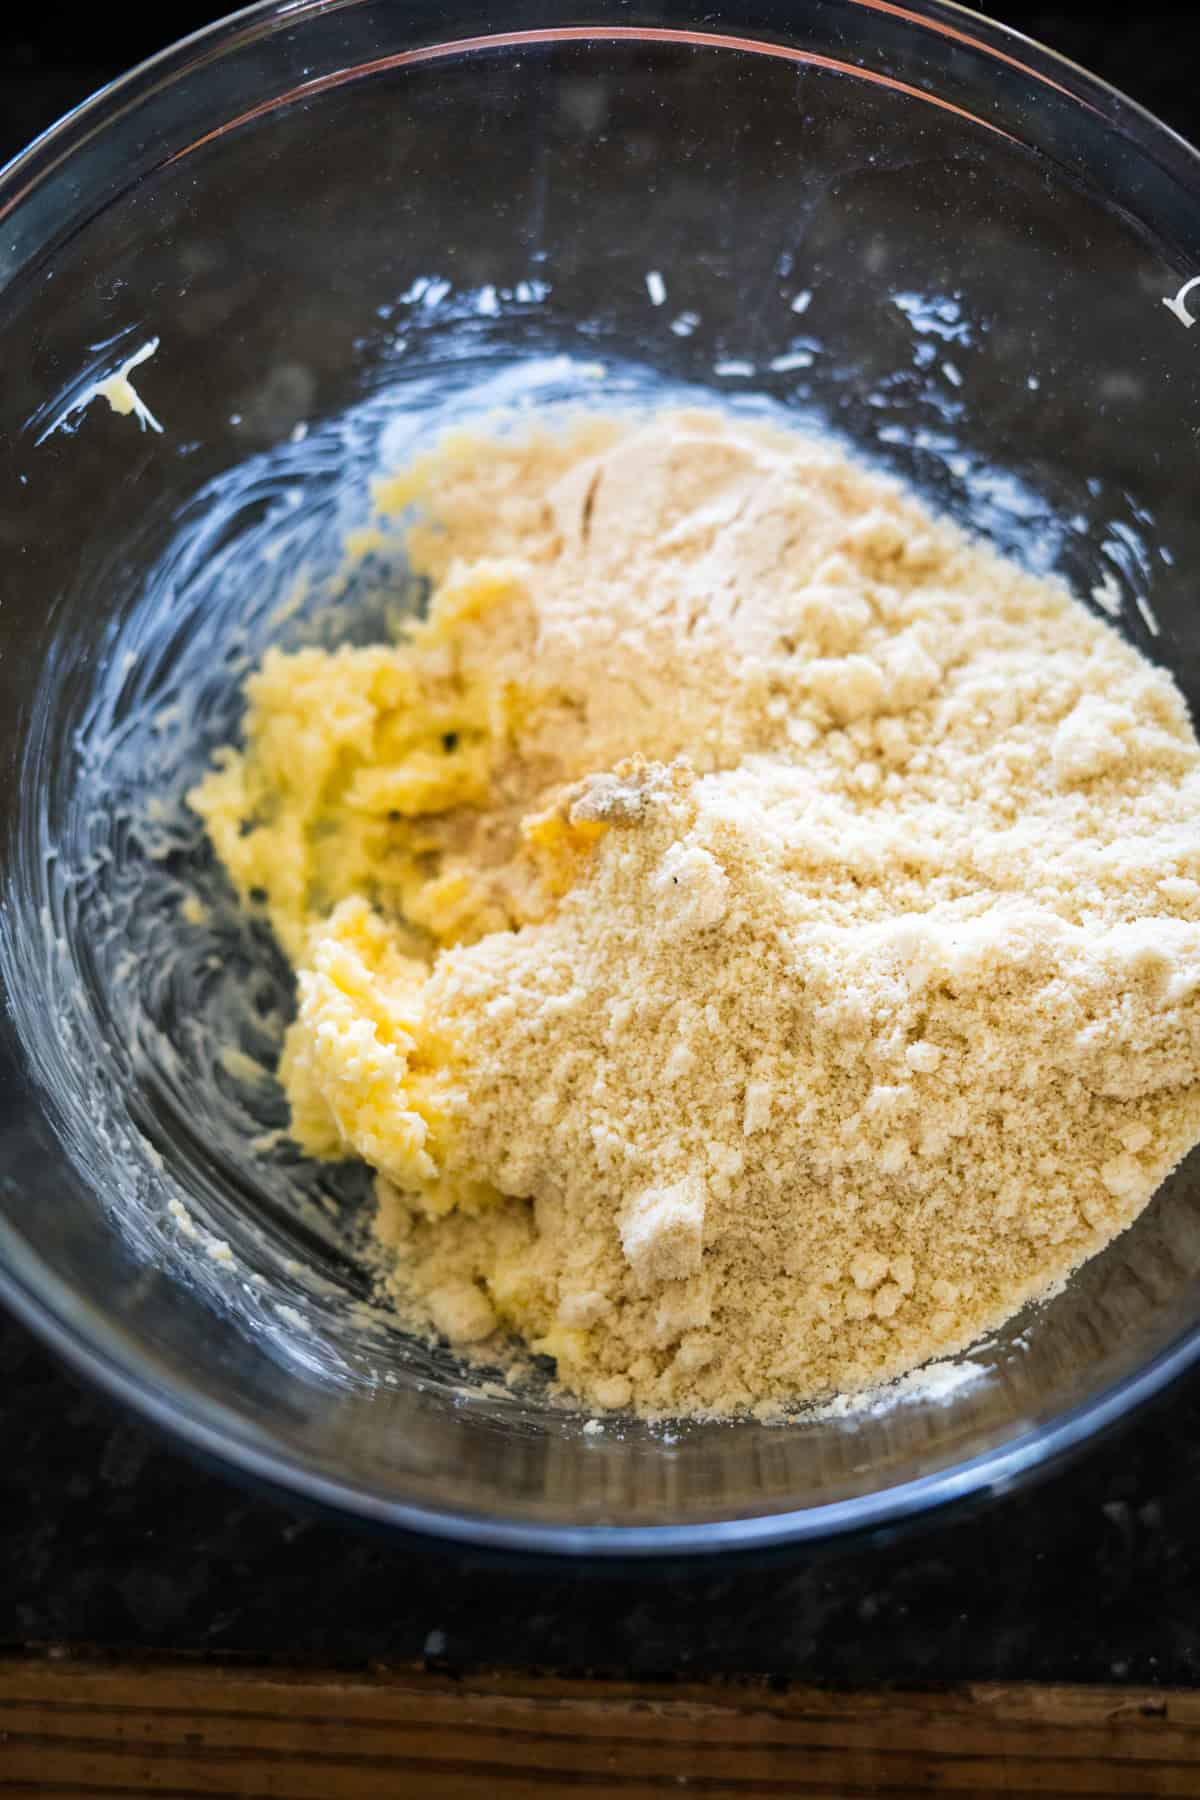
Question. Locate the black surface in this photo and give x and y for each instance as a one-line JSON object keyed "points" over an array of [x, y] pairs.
{"points": [[112, 1538]]}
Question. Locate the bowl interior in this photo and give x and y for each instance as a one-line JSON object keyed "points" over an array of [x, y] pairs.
{"points": [[346, 231]]}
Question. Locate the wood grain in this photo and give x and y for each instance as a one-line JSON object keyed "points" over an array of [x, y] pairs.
{"points": [[188, 1732]]}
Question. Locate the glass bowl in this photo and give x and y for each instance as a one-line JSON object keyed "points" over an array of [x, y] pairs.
{"points": [[346, 222]]}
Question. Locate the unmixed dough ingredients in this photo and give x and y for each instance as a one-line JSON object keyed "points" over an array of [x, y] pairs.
{"points": [[752, 928]]}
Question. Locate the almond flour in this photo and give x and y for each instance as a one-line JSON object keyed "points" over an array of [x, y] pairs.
{"points": [[752, 928]]}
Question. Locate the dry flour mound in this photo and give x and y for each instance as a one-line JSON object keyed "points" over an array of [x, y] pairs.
{"points": [[752, 928]]}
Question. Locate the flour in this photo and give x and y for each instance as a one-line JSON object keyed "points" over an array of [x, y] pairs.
{"points": [[753, 929]]}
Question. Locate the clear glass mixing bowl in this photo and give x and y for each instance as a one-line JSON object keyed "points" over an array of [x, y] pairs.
{"points": [[345, 221]]}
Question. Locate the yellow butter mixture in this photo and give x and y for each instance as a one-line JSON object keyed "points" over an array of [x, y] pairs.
{"points": [[751, 928]]}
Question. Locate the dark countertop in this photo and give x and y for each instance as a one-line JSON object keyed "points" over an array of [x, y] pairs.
{"points": [[109, 1537], [113, 1538]]}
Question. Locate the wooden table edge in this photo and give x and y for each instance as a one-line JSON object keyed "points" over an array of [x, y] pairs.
{"points": [[83, 1726]]}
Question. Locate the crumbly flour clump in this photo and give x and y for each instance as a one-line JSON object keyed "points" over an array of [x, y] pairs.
{"points": [[752, 928]]}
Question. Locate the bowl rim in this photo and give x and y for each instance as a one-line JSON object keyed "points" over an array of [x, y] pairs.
{"points": [[951, 19], [213, 1431], [98, 1349]]}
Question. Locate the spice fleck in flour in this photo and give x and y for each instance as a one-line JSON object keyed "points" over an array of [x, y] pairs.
{"points": [[752, 928]]}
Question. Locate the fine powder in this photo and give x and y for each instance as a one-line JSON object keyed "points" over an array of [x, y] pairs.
{"points": [[752, 928]]}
